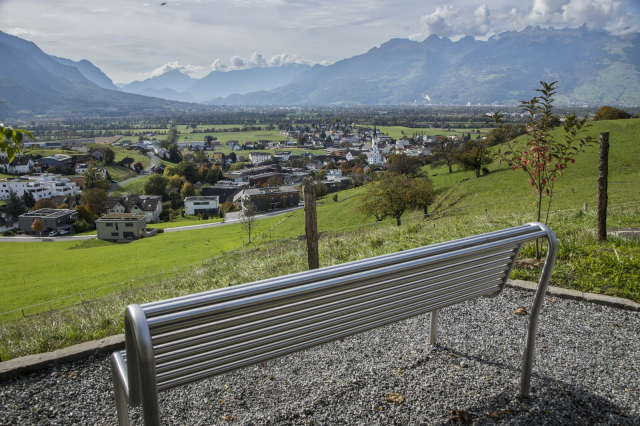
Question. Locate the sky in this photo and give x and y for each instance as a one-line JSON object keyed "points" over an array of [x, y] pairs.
{"points": [[133, 40]]}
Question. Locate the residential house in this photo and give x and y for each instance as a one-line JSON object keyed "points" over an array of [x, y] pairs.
{"points": [[224, 189], [270, 198], [148, 205], [59, 161], [201, 204], [97, 154], [8, 222], [51, 219], [285, 155], [18, 166], [122, 226], [127, 162]]}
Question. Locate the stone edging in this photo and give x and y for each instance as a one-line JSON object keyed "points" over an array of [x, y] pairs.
{"points": [[27, 364], [564, 293]]}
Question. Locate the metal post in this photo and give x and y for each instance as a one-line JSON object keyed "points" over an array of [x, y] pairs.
{"points": [[434, 326]]}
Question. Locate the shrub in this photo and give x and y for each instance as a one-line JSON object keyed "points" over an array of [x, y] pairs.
{"points": [[7, 233], [205, 216], [335, 198]]}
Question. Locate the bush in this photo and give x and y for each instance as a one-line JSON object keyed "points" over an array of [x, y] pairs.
{"points": [[7, 233], [205, 216], [610, 113], [335, 198], [485, 171], [160, 230], [82, 225]]}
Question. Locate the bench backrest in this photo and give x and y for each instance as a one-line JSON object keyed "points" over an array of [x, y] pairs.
{"points": [[182, 340]]}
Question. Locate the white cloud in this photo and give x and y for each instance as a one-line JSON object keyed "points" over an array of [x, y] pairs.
{"points": [[449, 21], [22, 33], [192, 70], [237, 63]]}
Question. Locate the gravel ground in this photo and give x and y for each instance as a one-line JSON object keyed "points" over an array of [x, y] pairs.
{"points": [[587, 371]]}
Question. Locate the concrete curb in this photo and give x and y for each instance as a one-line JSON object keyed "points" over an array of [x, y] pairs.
{"points": [[564, 293], [28, 364]]}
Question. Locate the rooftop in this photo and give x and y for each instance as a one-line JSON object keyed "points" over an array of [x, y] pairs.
{"points": [[122, 217]]}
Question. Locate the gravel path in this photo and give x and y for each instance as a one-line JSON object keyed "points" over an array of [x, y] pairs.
{"points": [[587, 371]]}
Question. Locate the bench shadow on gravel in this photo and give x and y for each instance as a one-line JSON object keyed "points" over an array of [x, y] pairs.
{"points": [[551, 401]]}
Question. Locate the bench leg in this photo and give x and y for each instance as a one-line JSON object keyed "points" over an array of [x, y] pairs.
{"points": [[122, 407], [434, 327]]}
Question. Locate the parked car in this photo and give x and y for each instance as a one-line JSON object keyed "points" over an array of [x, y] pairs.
{"points": [[301, 204], [53, 233], [114, 181], [63, 231]]}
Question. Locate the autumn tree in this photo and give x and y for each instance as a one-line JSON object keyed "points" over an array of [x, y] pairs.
{"points": [[45, 203], [610, 113], [187, 190], [390, 196], [422, 193], [95, 200], [444, 153], [36, 226], [545, 155], [248, 218]]}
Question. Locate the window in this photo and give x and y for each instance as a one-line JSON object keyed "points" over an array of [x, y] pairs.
{"points": [[110, 225], [115, 234], [129, 225]]}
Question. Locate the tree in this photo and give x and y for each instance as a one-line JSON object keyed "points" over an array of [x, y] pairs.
{"points": [[544, 155], [214, 174], [37, 226], [175, 181], [444, 153], [10, 140], [473, 155], [422, 193], [93, 178], [14, 205], [503, 134], [187, 190], [188, 170], [27, 198], [95, 200], [45, 203], [156, 185], [391, 196], [248, 218], [275, 181], [610, 113], [233, 156], [321, 189], [410, 166], [109, 156]]}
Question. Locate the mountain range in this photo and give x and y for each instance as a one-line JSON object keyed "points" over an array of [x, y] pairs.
{"points": [[592, 67], [32, 82]]}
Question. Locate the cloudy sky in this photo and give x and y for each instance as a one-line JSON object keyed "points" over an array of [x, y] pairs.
{"points": [[133, 39]]}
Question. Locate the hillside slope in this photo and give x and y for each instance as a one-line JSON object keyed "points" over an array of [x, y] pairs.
{"points": [[505, 190]]}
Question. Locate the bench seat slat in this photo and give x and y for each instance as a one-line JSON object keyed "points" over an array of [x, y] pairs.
{"points": [[275, 332], [176, 378], [225, 323]]}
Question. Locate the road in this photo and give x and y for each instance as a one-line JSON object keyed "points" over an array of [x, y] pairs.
{"points": [[230, 219], [154, 162]]}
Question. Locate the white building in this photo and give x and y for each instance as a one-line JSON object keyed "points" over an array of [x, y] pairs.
{"points": [[373, 156], [41, 186], [202, 204], [259, 157]]}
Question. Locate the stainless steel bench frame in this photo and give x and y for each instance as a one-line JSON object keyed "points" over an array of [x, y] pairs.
{"points": [[173, 342]]}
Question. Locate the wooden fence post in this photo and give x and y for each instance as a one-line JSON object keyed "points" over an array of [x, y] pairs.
{"points": [[603, 174], [311, 223]]}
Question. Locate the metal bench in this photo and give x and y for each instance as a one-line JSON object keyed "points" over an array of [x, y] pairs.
{"points": [[179, 341]]}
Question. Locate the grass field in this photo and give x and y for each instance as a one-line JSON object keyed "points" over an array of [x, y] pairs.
{"points": [[396, 132], [134, 188]]}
